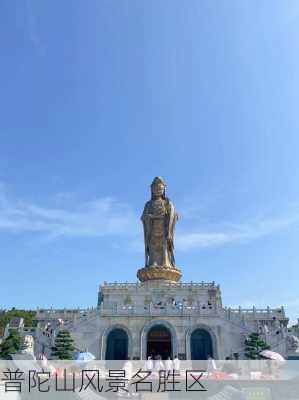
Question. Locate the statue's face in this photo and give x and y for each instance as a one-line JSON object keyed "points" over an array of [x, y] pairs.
{"points": [[158, 189]]}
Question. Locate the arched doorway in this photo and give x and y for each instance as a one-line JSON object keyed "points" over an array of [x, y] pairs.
{"points": [[159, 342], [117, 345], [201, 345]]}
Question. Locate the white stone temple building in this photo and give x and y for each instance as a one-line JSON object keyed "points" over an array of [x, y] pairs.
{"points": [[160, 314]]}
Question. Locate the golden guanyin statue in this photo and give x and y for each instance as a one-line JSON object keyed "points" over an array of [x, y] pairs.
{"points": [[159, 218]]}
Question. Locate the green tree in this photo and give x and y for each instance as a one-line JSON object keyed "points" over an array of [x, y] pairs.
{"points": [[63, 348], [10, 345], [254, 345], [6, 315]]}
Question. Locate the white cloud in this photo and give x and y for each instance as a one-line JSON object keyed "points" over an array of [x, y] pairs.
{"points": [[240, 233], [107, 217], [189, 241], [292, 302], [101, 217]]}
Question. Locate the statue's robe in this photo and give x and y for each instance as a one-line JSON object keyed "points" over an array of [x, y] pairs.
{"points": [[159, 247]]}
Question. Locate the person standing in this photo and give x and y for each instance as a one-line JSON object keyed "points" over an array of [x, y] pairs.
{"points": [[128, 368], [149, 365], [159, 366], [176, 364], [168, 366], [228, 366], [211, 364]]}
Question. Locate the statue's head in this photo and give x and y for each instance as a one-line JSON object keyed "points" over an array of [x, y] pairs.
{"points": [[158, 187]]}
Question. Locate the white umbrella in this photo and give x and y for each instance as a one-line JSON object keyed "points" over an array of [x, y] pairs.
{"points": [[84, 356], [272, 355]]}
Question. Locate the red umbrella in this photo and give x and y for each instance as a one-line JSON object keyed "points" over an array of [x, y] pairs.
{"points": [[43, 359]]}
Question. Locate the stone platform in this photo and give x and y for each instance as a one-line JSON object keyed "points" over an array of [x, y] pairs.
{"points": [[156, 273]]}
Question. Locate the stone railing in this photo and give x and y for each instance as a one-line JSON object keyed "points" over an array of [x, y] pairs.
{"points": [[121, 284], [256, 313], [191, 284], [50, 313], [154, 310], [236, 315], [151, 309], [196, 284]]}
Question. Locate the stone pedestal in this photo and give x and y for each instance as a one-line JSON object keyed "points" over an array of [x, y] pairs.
{"points": [[159, 273]]}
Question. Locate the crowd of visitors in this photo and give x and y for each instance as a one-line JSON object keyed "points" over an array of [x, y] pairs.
{"points": [[157, 364]]}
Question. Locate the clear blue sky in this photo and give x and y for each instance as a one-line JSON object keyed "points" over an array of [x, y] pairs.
{"points": [[98, 97]]}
